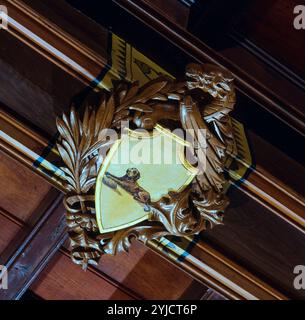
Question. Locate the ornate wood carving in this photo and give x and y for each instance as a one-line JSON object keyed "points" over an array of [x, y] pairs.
{"points": [[202, 100]]}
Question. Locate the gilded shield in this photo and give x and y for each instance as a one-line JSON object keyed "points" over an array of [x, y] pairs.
{"points": [[139, 168]]}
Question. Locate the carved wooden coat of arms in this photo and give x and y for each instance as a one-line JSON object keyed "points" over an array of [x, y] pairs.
{"points": [[128, 172]]}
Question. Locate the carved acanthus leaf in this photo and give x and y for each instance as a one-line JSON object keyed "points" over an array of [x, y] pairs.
{"points": [[178, 213]]}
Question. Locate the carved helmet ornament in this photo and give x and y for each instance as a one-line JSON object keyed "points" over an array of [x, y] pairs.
{"points": [[113, 198]]}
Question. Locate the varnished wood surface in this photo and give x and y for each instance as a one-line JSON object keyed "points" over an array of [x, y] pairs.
{"points": [[220, 272], [146, 273], [31, 86], [9, 230], [269, 25], [278, 164], [173, 10], [249, 80], [64, 281], [252, 239], [246, 285], [35, 251], [21, 191], [260, 242], [259, 37], [277, 189], [75, 23], [126, 276], [84, 63]]}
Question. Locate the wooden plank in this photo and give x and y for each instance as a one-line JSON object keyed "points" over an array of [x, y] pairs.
{"points": [[53, 43], [195, 291], [213, 281], [218, 271], [246, 81], [12, 148], [74, 23], [148, 274], [261, 242], [63, 280], [31, 255], [274, 32], [21, 191], [264, 29], [35, 251], [28, 90], [8, 232], [173, 10], [26, 146], [134, 273]]}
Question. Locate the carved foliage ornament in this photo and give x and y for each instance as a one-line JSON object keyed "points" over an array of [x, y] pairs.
{"points": [[108, 203]]}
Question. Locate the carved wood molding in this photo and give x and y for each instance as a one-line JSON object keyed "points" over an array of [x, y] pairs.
{"points": [[261, 90], [202, 102], [85, 64], [27, 141], [61, 48], [235, 282], [26, 263], [279, 198], [25, 155]]}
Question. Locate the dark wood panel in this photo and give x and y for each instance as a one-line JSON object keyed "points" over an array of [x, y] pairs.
{"points": [[8, 232], [73, 22], [249, 70], [33, 87], [35, 251], [278, 164], [147, 274], [269, 25], [260, 241], [65, 281], [21, 191], [287, 97], [257, 208], [173, 10], [196, 291]]}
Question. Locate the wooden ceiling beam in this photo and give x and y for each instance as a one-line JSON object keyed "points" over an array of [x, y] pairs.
{"points": [[18, 141], [214, 278], [257, 85], [36, 250]]}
